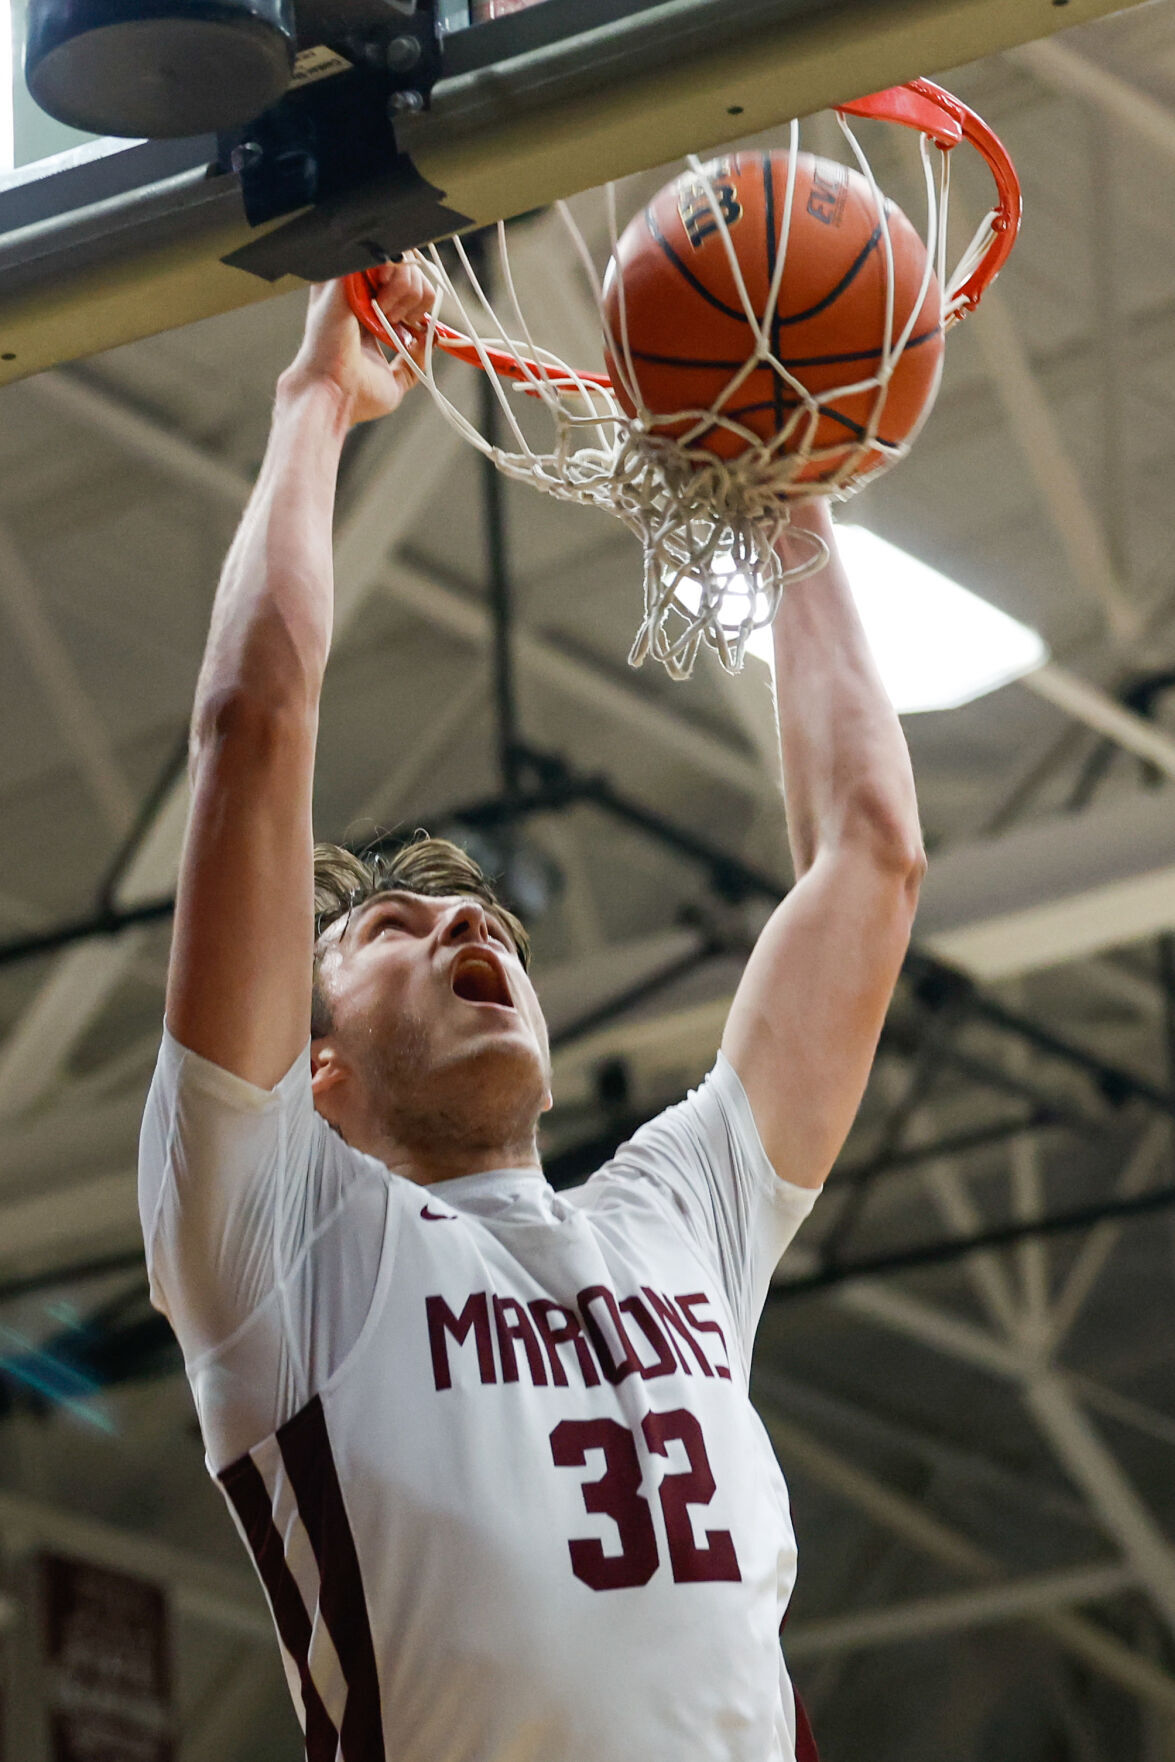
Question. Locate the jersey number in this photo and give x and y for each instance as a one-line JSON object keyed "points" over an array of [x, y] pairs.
{"points": [[617, 1495]]}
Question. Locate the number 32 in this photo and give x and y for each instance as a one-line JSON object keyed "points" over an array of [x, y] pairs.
{"points": [[617, 1495]]}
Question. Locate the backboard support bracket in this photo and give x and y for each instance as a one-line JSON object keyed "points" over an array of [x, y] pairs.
{"points": [[386, 217]]}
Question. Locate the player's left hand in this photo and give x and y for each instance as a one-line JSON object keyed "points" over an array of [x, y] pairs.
{"points": [[335, 346]]}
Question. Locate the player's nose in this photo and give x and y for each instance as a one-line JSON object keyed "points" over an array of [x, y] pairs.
{"points": [[466, 922]]}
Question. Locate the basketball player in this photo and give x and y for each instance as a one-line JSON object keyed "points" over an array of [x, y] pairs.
{"points": [[490, 1445]]}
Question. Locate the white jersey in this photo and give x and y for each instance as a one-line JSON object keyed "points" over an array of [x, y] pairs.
{"points": [[490, 1445]]}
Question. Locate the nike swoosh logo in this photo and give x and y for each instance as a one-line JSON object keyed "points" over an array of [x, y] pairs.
{"points": [[437, 1217]]}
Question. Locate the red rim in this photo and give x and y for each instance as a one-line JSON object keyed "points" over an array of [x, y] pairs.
{"points": [[936, 112], [361, 290], [920, 104]]}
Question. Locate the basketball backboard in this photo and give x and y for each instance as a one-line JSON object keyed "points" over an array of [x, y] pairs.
{"points": [[104, 241]]}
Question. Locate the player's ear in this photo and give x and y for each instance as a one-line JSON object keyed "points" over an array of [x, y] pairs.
{"points": [[328, 1076]]}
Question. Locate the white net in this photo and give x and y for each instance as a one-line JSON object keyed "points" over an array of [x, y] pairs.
{"points": [[709, 527]]}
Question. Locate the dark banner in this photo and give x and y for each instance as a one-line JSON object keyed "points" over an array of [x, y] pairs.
{"points": [[108, 1664], [86, 1735]]}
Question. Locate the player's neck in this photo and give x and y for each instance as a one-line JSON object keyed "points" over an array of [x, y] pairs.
{"points": [[436, 1158], [428, 1170]]}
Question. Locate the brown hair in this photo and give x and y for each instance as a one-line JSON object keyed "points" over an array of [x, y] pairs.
{"points": [[429, 866]]}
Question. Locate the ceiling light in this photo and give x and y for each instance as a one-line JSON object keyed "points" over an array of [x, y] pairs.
{"points": [[937, 645]]}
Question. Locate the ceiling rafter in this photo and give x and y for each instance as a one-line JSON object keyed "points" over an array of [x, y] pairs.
{"points": [[73, 710], [36, 1049], [907, 1518]]}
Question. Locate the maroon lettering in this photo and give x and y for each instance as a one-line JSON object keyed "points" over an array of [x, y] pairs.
{"points": [[691, 1564], [510, 1332], [674, 1320], [615, 1368], [607, 1337], [566, 1331], [688, 1305], [666, 1362], [475, 1318], [617, 1495]]}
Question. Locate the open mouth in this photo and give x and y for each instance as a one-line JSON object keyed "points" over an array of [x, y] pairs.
{"points": [[477, 979]]}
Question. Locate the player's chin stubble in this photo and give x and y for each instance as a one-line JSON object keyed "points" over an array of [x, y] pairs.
{"points": [[484, 1097]]}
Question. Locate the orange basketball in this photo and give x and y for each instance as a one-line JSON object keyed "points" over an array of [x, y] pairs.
{"points": [[688, 331]]}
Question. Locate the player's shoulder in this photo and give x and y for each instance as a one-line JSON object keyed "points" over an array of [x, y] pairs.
{"points": [[697, 1127], [645, 1170], [183, 1073]]}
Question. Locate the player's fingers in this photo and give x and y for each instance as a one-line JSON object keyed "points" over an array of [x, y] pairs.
{"points": [[407, 296], [416, 340], [389, 267], [413, 342], [403, 372]]}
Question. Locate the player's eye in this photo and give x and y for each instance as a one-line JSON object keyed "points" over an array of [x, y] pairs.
{"points": [[393, 920]]}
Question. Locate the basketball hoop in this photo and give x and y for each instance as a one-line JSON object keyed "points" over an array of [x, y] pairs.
{"points": [[709, 493]]}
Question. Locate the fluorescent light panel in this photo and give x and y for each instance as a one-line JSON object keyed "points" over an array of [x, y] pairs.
{"points": [[937, 645]]}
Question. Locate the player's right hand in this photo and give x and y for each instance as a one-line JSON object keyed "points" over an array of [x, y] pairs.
{"points": [[335, 347]]}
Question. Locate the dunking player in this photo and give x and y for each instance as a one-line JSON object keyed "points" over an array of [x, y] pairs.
{"points": [[490, 1445]]}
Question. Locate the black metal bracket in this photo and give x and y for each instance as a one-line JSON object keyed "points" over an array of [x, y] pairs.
{"points": [[329, 146], [334, 130]]}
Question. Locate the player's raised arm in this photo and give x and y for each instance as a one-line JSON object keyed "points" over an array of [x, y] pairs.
{"points": [[239, 983], [805, 1021]]}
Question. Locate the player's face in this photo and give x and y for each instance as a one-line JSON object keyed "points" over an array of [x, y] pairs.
{"points": [[436, 1015]]}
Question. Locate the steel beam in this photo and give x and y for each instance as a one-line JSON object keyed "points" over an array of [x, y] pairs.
{"points": [[642, 716], [1028, 1204], [161, 450], [1123, 1410], [1094, 1468], [393, 793], [1095, 708], [89, 1214], [908, 1519], [52, 667], [920, 1617], [78, 1133], [1061, 889], [217, 1595], [1101, 1241], [81, 981], [888, 1307], [933, 1327], [1047, 462], [959, 1212], [950, 1463], [1064, 70], [194, 467], [1082, 1452]]}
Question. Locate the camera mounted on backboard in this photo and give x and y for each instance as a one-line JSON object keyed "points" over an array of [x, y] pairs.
{"points": [[158, 68]]}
